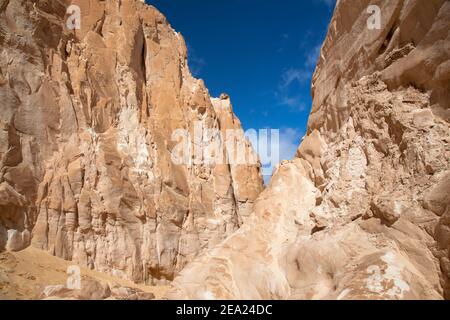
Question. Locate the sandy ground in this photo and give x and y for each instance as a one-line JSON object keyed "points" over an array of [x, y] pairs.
{"points": [[24, 275]]}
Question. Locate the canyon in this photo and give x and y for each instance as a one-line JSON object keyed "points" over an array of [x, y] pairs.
{"points": [[86, 173]]}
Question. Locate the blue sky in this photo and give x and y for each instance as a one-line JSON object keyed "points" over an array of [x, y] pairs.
{"points": [[261, 52]]}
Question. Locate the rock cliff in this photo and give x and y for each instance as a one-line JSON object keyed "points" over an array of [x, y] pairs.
{"points": [[363, 210], [87, 121], [87, 149]]}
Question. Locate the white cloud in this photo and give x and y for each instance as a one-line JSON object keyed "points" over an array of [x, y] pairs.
{"points": [[329, 3], [294, 78], [291, 80], [293, 75], [196, 63], [313, 56], [295, 102]]}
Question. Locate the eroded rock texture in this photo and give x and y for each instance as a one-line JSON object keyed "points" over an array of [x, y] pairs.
{"points": [[87, 118], [362, 211]]}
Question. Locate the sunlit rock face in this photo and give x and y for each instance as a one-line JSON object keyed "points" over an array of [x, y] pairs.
{"points": [[87, 119], [362, 211]]}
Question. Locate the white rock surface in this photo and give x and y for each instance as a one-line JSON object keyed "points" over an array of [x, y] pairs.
{"points": [[362, 212]]}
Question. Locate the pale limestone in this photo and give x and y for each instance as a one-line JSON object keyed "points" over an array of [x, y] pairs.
{"points": [[362, 212]]}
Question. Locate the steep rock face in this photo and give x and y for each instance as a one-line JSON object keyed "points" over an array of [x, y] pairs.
{"points": [[362, 211], [87, 120]]}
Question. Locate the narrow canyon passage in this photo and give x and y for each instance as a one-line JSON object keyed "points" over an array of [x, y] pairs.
{"points": [[90, 172]]}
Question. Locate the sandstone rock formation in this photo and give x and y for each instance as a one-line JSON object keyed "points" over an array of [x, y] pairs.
{"points": [[87, 118], [363, 210]]}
